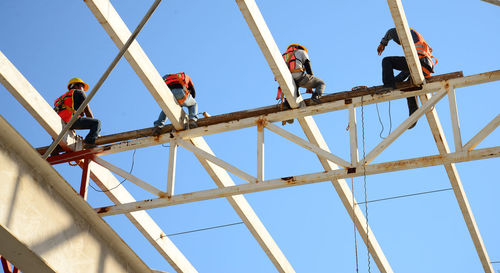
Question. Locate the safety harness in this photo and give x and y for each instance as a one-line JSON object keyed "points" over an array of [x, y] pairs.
{"points": [[425, 51], [180, 79], [64, 105], [291, 60]]}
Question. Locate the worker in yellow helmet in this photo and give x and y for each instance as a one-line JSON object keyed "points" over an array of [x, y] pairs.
{"points": [[67, 104]]}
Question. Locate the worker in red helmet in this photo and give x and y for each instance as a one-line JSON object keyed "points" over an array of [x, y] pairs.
{"points": [[297, 60], [424, 52], [67, 104]]}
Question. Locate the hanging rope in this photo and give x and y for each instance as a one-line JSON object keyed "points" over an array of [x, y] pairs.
{"points": [[364, 179]]}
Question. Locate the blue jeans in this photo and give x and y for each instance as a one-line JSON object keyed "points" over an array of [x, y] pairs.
{"points": [[190, 103], [88, 123]]}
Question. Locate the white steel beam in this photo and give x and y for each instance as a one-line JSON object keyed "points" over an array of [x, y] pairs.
{"points": [[271, 52], [353, 135], [403, 127], [40, 109], [457, 137], [116, 28], [110, 20], [14, 81], [311, 147], [483, 133], [221, 163], [244, 210], [260, 152], [451, 170], [404, 34], [139, 182], [399, 165], [172, 160]]}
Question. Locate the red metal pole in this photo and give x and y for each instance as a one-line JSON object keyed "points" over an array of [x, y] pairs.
{"points": [[85, 178], [6, 265]]}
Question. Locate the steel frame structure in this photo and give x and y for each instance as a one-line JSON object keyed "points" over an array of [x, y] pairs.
{"points": [[100, 170]]}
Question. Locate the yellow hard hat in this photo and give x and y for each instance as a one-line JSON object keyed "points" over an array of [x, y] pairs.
{"points": [[298, 46], [78, 80]]}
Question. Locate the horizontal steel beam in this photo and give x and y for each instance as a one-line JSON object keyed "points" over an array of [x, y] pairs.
{"points": [[284, 182]]}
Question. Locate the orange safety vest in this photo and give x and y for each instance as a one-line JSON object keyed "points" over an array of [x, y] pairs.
{"points": [[291, 60], [64, 105], [424, 51], [182, 79]]}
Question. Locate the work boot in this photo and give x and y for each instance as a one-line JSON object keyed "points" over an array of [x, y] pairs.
{"points": [[316, 98], [192, 124], [157, 130]]}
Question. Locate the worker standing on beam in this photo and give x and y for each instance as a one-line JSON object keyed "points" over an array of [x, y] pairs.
{"points": [[399, 63], [297, 60], [182, 87], [67, 104]]}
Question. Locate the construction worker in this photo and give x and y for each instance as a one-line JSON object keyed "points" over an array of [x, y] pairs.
{"points": [[297, 60], [399, 63], [182, 87], [67, 104]]}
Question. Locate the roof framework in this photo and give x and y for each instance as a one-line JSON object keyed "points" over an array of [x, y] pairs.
{"points": [[100, 170]]}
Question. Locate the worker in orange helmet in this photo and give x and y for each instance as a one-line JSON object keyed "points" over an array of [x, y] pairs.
{"points": [[67, 104], [424, 52], [297, 60]]}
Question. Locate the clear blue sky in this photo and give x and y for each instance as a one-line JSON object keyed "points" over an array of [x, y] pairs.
{"points": [[53, 41]]}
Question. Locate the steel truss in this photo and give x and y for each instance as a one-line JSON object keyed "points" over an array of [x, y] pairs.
{"points": [[100, 170]]}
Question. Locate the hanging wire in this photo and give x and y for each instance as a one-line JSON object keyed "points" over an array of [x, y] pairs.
{"points": [[198, 230], [382, 124], [364, 179], [131, 169]]}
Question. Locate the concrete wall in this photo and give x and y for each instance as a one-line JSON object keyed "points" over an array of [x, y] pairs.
{"points": [[45, 226]]}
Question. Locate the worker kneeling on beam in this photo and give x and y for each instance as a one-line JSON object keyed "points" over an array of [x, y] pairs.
{"points": [[424, 52], [67, 104], [182, 87], [297, 60]]}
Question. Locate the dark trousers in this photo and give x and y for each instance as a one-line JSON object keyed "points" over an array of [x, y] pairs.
{"points": [[398, 63], [88, 123]]}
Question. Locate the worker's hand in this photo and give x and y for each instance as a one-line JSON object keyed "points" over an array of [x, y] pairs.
{"points": [[309, 90], [380, 49]]}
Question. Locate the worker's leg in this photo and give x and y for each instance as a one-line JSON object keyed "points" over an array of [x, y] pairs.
{"points": [[390, 63], [310, 81], [88, 123], [192, 107], [161, 119]]}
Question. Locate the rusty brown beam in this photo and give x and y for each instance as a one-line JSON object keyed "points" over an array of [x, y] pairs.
{"points": [[344, 95]]}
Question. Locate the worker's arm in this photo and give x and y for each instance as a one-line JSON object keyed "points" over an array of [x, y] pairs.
{"points": [[307, 66], [392, 34], [88, 112], [192, 91]]}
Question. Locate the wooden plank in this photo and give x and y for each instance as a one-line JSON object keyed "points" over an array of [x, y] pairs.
{"points": [[284, 182], [404, 34], [454, 119], [403, 127], [494, 2], [265, 40], [223, 164], [110, 20], [483, 133], [311, 147], [40, 109], [260, 152], [137, 181], [172, 160], [456, 183]]}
